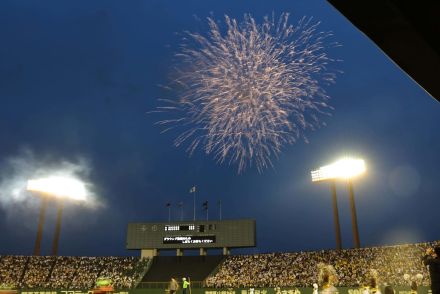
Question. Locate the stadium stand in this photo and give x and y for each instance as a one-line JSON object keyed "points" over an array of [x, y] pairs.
{"points": [[12, 269], [49, 272], [299, 269], [165, 267], [37, 271], [396, 265]]}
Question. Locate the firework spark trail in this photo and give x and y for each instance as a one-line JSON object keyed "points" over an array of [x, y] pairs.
{"points": [[247, 92]]}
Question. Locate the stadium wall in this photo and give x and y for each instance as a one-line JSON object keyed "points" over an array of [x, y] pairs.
{"points": [[308, 290]]}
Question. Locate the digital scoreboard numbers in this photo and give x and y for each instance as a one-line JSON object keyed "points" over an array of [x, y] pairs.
{"points": [[179, 228], [189, 239], [191, 227]]}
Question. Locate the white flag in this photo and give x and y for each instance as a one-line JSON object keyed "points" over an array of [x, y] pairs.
{"points": [[193, 189]]}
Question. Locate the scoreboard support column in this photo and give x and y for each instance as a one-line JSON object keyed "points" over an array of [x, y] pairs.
{"points": [[147, 253], [202, 251], [179, 252], [226, 251]]}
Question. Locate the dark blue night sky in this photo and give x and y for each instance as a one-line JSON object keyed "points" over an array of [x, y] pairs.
{"points": [[78, 78]]}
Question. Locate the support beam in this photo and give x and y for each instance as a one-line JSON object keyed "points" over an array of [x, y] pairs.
{"points": [[56, 237], [148, 253], [336, 216], [357, 242], [37, 248]]}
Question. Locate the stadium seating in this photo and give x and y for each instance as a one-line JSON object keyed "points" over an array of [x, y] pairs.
{"points": [[196, 267], [396, 265], [300, 269], [66, 272]]}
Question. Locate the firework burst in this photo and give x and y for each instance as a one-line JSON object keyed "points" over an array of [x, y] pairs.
{"points": [[248, 89]]}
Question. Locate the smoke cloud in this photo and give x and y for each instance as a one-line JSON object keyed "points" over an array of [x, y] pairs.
{"points": [[17, 202]]}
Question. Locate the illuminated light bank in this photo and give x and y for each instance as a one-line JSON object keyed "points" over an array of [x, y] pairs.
{"points": [[60, 187], [345, 168]]}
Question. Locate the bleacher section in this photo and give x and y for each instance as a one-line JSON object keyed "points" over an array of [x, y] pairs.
{"points": [[62, 272], [196, 267], [397, 265]]}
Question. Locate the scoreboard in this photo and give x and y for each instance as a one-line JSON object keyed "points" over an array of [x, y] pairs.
{"points": [[192, 234]]}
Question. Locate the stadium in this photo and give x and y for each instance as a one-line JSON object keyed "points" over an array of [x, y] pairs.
{"points": [[284, 272], [217, 114]]}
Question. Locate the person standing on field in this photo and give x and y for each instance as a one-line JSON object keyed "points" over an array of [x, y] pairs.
{"points": [[174, 286], [185, 285]]}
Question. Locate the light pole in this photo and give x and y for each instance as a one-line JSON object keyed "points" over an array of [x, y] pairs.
{"points": [[335, 208], [56, 237], [346, 168], [37, 246], [357, 242], [336, 216], [59, 188]]}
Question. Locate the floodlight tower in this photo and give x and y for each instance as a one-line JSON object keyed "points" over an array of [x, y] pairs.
{"points": [[44, 202], [56, 237], [316, 178], [346, 168], [60, 188]]}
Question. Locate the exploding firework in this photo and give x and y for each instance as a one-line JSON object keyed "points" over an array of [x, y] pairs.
{"points": [[248, 89]]}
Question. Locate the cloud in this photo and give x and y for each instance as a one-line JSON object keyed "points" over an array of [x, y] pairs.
{"points": [[17, 202]]}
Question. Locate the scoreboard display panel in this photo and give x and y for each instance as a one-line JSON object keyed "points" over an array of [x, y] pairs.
{"points": [[192, 234]]}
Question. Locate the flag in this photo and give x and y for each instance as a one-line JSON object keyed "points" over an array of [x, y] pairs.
{"points": [[193, 189], [205, 205], [168, 204]]}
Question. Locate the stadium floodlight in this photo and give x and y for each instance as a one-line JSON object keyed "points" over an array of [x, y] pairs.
{"points": [[346, 168], [59, 188]]}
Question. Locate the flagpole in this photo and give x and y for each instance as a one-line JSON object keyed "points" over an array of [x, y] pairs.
{"points": [[193, 190], [220, 208], [205, 208], [194, 208]]}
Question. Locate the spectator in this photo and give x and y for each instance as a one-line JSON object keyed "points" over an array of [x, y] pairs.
{"points": [[432, 260], [327, 278]]}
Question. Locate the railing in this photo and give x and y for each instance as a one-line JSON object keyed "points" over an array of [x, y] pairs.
{"points": [[164, 285]]}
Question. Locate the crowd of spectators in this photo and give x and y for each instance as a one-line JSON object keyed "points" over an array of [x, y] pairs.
{"points": [[393, 263], [11, 269], [396, 265], [37, 270], [65, 272]]}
